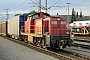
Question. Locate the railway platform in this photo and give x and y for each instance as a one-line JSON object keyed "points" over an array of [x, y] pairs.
{"points": [[13, 51]]}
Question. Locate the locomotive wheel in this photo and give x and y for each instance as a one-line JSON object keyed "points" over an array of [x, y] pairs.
{"points": [[43, 43], [25, 40], [28, 42], [34, 41], [38, 42]]}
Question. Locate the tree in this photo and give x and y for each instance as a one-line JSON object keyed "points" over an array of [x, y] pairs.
{"points": [[57, 14], [81, 14], [17, 14], [77, 15], [73, 18], [32, 12], [88, 17]]}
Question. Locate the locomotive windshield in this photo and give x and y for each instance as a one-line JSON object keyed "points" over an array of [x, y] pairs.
{"points": [[54, 22]]}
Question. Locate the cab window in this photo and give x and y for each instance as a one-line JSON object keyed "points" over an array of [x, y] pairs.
{"points": [[54, 22], [63, 22]]}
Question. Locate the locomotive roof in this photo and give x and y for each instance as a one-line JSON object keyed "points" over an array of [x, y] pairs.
{"points": [[39, 13]]}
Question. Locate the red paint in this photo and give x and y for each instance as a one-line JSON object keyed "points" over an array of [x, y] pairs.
{"points": [[38, 26], [29, 25], [41, 15], [25, 26], [53, 25]]}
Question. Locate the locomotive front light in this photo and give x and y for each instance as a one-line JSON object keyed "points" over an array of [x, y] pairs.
{"points": [[72, 36], [48, 36], [58, 18]]}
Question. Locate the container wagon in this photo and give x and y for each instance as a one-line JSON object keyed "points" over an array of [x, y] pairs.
{"points": [[3, 28], [15, 25]]}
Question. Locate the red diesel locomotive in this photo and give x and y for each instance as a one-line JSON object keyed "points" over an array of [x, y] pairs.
{"points": [[44, 30]]}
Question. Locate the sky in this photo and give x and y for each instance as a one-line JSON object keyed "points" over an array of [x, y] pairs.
{"points": [[56, 6]]}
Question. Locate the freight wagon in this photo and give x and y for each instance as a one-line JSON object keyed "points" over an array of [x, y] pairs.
{"points": [[80, 27], [15, 25], [0, 28], [46, 31], [3, 28]]}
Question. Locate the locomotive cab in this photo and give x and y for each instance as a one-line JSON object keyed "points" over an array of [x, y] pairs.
{"points": [[55, 28]]}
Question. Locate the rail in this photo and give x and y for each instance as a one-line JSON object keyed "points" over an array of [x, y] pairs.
{"points": [[49, 52]]}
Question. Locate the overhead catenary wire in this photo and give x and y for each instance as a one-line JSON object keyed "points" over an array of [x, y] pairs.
{"points": [[37, 5], [17, 5], [22, 6], [53, 4], [35, 2], [81, 3], [12, 9], [2, 16]]}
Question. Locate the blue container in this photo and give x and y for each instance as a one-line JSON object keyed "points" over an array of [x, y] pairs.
{"points": [[23, 18]]}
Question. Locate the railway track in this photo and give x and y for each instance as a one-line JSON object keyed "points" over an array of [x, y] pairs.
{"points": [[82, 38], [81, 45], [60, 54], [72, 54], [82, 41]]}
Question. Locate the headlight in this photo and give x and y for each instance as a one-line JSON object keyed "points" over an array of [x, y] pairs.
{"points": [[48, 36], [72, 36]]}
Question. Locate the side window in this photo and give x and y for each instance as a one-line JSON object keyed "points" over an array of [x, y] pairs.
{"points": [[87, 24], [74, 24], [54, 22], [80, 24], [63, 22]]}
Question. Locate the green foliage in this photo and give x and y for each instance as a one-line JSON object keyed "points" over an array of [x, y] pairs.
{"points": [[32, 12], [81, 14], [57, 14], [88, 17], [17, 14], [73, 18], [77, 15]]}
